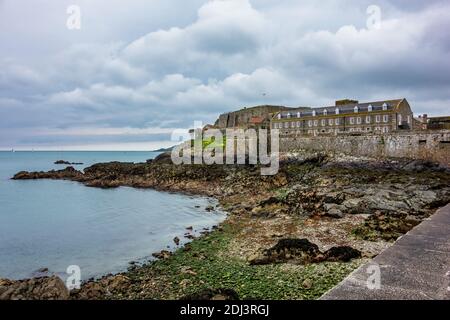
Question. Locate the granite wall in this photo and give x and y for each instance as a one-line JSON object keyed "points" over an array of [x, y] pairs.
{"points": [[427, 145]]}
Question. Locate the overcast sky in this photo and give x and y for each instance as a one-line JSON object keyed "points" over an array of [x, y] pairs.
{"points": [[137, 69]]}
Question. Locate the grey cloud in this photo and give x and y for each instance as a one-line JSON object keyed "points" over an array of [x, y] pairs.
{"points": [[124, 71]]}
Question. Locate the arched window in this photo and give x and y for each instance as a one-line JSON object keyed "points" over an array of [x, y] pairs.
{"points": [[288, 115], [337, 110], [325, 112], [299, 114], [385, 106], [314, 113], [370, 108], [356, 109], [279, 116]]}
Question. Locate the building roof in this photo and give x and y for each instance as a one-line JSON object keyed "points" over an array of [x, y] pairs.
{"points": [[343, 109], [257, 120]]}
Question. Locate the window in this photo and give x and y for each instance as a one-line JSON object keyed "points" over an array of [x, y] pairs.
{"points": [[385, 129], [368, 119], [385, 118], [298, 124], [408, 119], [370, 108], [316, 123], [314, 113], [399, 119], [286, 125], [298, 114], [352, 120], [322, 122], [351, 129], [310, 123], [337, 111], [356, 109], [336, 121], [288, 115], [325, 112], [358, 120], [377, 118], [385, 106], [279, 116], [275, 125], [330, 122]]}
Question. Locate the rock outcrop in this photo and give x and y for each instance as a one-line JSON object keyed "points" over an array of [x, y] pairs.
{"points": [[45, 288]]}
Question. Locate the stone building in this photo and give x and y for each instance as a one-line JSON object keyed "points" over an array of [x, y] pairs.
{"points": [[433, 123], [346, 116], [254, 117]]}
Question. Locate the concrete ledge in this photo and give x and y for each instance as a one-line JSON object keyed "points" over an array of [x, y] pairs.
{"points": [[415, 267]]}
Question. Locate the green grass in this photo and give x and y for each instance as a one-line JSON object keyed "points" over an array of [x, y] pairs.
{"points": [[259, 282], [211, 143]]}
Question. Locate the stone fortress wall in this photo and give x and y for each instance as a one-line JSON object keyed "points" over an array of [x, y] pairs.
{"points": [[425, 145], [242, 117]]}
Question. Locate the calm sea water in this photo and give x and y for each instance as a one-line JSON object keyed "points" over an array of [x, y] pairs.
{"points": [[54, 224]]}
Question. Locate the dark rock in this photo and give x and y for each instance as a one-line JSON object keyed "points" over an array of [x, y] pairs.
{"points": [[343, 253], [67, 162], [302, 251], [422, 165], [287, 249], [165, 157], [67, 173], [162, 255], [62, 162], [176, 240]]}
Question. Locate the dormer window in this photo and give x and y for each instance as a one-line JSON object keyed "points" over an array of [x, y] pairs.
{"points": [[337, 110], [279, 116], [288, 115], [370, 108], [385, 106], [325, 112], [356, 109], [298, 114], [314, 113]]}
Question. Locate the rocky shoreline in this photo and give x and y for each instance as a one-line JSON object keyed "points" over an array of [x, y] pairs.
{"points": [[289, 236]]}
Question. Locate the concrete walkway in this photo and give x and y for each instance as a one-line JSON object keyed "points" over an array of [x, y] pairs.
{"points": [[416, 267]]}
